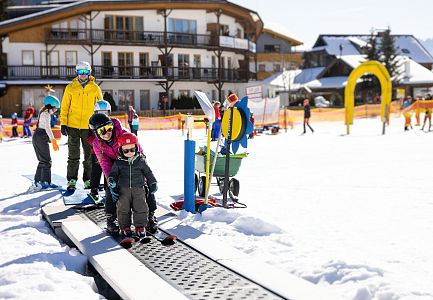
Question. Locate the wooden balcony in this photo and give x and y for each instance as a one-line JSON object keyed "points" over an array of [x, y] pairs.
{"points": [[147, 38], [126, 72]]}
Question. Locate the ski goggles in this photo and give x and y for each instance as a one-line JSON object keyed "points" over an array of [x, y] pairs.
{"points": [[126, 151], [104, 129], [83, 72]]}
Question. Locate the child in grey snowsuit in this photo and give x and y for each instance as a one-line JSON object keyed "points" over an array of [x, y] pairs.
{"points": [[130, 181]]}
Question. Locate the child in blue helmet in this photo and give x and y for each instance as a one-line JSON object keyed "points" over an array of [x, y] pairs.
{"points": [[41, 139]]}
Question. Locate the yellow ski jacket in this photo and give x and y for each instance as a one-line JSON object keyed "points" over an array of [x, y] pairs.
{"points": [[78, 103]]}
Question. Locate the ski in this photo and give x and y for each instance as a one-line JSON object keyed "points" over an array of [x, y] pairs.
{"points": [[164, 238]]}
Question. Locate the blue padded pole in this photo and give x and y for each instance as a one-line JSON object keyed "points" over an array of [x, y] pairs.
{"points": [[188, 184]]}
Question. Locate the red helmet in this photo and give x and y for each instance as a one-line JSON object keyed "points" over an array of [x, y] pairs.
{"points": [[126, 139]]}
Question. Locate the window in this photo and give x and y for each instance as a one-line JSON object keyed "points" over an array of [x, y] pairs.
{"points": [[28, 57], [183, 64], [239, 33], [52, 67], [262, 68], [123, 23], [182, 25], [272, 48], [107, 67], [71, 58], [145, 70], [214, 95], [126, 98], [125, 63], [183, 93], [277, 67], [144, 99]]}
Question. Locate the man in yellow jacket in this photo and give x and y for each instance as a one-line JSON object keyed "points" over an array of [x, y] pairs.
{"points": [[77, 106]]}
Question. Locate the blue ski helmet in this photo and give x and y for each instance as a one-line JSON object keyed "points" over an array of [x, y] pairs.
{"points": [[102, 105], [51, 101]]}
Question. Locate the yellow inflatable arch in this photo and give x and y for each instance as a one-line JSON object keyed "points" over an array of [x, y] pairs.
{"points": [[378, 70]]}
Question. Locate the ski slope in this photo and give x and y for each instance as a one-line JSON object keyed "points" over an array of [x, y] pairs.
{"points": [[353, 213]]}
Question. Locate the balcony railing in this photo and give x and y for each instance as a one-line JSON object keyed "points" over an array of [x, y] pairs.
{"points": [[126, 72], [150, 38]]}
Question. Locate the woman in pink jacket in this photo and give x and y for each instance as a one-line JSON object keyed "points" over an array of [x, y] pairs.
{"points": [[106, 148]]}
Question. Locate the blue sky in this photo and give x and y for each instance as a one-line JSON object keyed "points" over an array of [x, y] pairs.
{"points": [[306, 19]]}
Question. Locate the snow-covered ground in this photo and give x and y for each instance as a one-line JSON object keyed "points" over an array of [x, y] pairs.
{"points": [[350, 212]]}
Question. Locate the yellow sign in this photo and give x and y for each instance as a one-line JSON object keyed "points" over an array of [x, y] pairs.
{"points": [[400, 93], [378, 70], [238, 124]]}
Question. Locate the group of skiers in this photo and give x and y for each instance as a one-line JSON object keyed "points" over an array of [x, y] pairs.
{"points": [[108, 148]]}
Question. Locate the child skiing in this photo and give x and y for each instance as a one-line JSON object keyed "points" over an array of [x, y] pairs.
{"points": [[307, 115], [107, 131], [42, 136], [28, 117], [102, 107], [135, 124], [129, 180], [14, 123], [407, 114]]}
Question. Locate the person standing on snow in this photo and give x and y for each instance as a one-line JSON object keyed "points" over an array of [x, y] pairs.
{"points": [[14, 123], [78, 102], [130, 181], [28, 117], [131, 113], [42, 136], [307, 115], [106, 148]]}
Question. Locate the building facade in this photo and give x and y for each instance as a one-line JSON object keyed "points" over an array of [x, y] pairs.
{"points": [[143, 53], [275, 53]]}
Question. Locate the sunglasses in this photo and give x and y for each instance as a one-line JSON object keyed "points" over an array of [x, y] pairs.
{"points": [[126, 151], [104, 129], [83, 72]]}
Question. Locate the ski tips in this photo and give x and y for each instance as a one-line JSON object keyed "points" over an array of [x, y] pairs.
{"points": [[169, 240]]}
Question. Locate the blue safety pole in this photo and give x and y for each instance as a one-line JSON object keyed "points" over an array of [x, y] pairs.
{"points": [[188, 184]]}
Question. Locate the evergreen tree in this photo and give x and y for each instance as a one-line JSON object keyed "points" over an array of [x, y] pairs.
{"points": [[372, 51], [3, 9], [388, 55]]}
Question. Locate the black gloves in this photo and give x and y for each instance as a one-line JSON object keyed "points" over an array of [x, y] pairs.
{"points": [[64, 130]]}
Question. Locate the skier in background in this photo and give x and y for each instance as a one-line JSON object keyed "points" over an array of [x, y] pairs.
{"points": [[407, 114], [130, 181], [43, 135], [14, 124], [28, 117], [135, 124], [217, 123], [307, 115]]}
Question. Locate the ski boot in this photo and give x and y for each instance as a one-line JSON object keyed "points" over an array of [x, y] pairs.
{"points": [[87, 184], [94, 195], [125, 233], [152, 223], [72, 185], [140, 232], [112, 227]]}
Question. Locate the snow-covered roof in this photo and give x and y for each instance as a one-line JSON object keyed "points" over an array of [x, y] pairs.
{"points": [[411, 72], [414, 73], [407, 45], [353, 60]]}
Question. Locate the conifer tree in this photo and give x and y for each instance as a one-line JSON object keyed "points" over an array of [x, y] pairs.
{"points": [[388, 55]]}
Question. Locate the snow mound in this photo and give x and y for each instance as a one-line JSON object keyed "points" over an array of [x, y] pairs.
{"points": [[254, 226]]}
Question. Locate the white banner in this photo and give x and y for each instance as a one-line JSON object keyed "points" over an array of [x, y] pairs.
{"points": [[258, 107]]}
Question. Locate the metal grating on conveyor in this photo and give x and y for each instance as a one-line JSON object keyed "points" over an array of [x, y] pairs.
{"points": [[190, 272]]}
